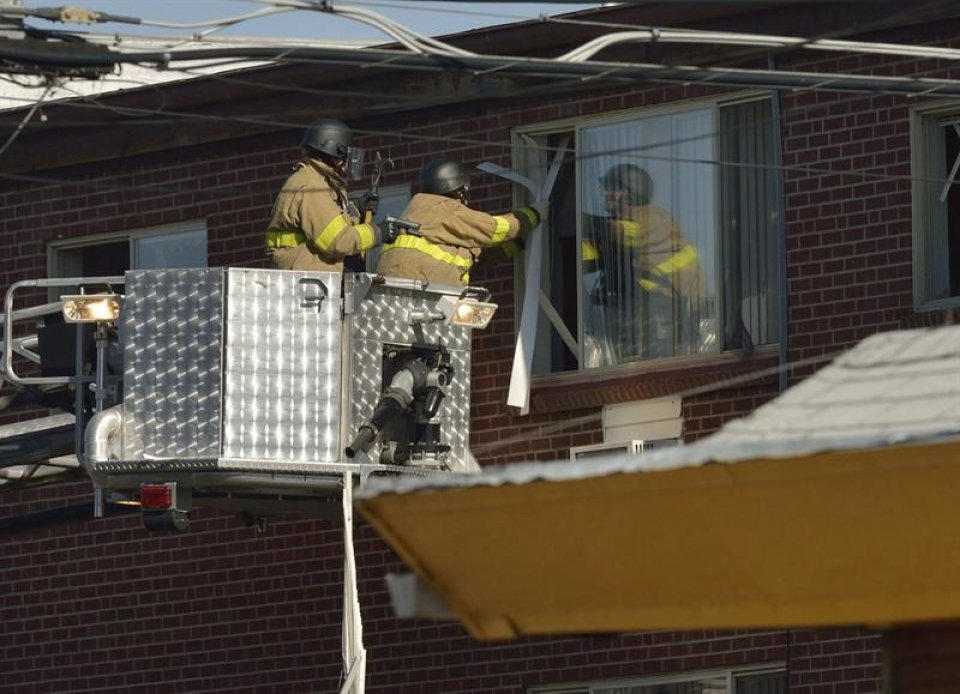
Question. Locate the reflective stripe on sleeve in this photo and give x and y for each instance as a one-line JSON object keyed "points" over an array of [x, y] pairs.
{"points": [[530, 214], [502, 230], [590, 251], [368, 238], [679, 260], [418, 243], [649, 285], [631, 233], [331, 231], [285, 239]]}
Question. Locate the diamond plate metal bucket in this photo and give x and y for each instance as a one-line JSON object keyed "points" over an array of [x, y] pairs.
{"points": [[245, 369]]}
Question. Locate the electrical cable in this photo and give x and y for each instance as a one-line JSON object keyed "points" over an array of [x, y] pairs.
{"points": [[26, 119], [575, 63]]}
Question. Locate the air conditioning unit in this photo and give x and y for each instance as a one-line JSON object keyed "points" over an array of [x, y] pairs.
{"points": [[633, 447]]}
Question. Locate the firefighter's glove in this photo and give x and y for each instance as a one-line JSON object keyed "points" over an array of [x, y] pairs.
{"points": [[386, 233], [391, 227], [542, 208], [369, 204]]}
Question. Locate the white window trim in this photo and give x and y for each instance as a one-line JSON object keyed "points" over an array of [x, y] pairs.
{"points": [[731, 673], [920, 217]]}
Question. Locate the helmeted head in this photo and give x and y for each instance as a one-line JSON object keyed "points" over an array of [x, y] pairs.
{"points": [[626, 184], [332, 141], [445, 177]]}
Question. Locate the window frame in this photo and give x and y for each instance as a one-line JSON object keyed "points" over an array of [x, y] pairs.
{"points": [[730, 673], [920, 178], [575, 125], [57, 247]]}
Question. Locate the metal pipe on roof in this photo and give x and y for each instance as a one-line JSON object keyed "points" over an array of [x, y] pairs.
{"points": [[529, 67], [729, 38]]}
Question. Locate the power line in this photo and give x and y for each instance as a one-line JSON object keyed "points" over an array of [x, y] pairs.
{"points": [[432, 57], [26, 119], [641, 151], [143, 114]]}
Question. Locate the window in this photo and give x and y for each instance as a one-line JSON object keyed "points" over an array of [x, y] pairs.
{"points": [[172, 246], [936, 195], [749, 681], [668, 221]]}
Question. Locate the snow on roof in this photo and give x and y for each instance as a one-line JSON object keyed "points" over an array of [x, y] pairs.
{"points": [[892, 388]]}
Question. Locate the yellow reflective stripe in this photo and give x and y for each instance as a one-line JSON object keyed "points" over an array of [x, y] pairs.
{"points": [[368, 239], [285, 239], [417, 243], [590, 251], [530, 214], [631, 232], [502, 230], [649, 285], [331, 231], [678, 260]]}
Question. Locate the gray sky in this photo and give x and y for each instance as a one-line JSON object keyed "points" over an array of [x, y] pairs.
{"points": [[431, 18]]}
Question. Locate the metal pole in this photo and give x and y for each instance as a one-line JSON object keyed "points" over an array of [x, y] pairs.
{"points": [[101, 384], [354, 655], [777, 111]]}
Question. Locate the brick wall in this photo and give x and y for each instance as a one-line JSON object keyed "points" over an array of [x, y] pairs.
{"points": [[847, 186], [103, 605], [923, 659]]}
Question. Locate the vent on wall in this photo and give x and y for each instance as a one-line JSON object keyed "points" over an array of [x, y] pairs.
{"points": [[633, 447]]}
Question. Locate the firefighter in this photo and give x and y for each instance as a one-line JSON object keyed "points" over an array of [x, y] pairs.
{"points": [[452, 235], [314, 226], [661, 264]]}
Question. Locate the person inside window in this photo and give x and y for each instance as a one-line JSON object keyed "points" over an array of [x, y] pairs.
{"points": [[647, 273]]}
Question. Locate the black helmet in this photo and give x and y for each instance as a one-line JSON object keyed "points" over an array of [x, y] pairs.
{"points": [[328, 137], [631, 179], [443, 176]]}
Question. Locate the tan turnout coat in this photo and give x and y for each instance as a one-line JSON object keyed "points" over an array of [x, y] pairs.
{"points": [[313, 225], [452, 237]]}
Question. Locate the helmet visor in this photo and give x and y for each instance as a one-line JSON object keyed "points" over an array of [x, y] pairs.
{"points": [[353, 167]]}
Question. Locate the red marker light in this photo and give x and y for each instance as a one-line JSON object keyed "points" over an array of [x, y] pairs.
{"points": [[156, 496]]}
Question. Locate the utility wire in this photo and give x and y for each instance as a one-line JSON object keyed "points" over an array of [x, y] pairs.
{"points": [[830, 171], [638, 151], [26, 119], [574, 64]]}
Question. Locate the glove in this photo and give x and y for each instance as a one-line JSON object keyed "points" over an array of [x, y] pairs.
{"points": [[369, 203], [386, 233], [542, 208]]}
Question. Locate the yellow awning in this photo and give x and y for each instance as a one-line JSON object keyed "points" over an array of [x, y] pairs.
{"points": [[841, 538]]}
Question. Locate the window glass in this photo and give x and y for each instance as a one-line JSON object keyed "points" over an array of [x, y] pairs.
{"points": [[175, 246], [648, 218], [940, 256], [184, 249], [765, 680], [662, 239], [98, 260], [710, 685], [761, 683]]}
